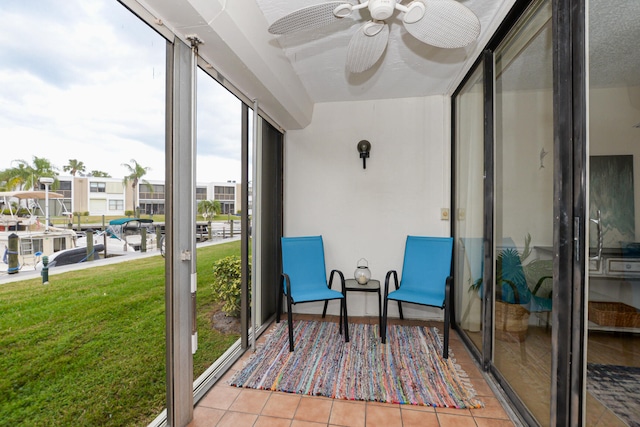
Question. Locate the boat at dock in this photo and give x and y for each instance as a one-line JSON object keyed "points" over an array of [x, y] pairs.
{"points": [[35, 238], [124, 235], [71, 256]]}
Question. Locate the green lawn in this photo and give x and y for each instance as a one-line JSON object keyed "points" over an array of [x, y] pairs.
{"points": [[89, 348]]}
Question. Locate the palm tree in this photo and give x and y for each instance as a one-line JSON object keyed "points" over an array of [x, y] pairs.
{"points": [[18, 177], [217, 207], [99, 174], [136, 172], [209, 208], [27, 176], [74, 167], [5, 175]]}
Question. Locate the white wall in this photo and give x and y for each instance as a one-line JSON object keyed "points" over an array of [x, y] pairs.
{"points": [[525, 194], [369, 212], [524, 189], [527, 189]]}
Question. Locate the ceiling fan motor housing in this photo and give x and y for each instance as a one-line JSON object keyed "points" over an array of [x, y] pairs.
{"points": [[381, 9]]}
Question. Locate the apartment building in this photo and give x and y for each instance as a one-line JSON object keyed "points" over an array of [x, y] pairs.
{"points": [[110, 196]]}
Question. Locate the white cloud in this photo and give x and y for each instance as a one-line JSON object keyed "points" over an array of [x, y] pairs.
{"points": [[86, 80]]}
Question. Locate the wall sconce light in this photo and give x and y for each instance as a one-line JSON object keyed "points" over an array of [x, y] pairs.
{"points": [[364, 147]]}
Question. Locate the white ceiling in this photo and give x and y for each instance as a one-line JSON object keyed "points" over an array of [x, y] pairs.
{"points": [[288, 74], [408, 67], [614, 36]]}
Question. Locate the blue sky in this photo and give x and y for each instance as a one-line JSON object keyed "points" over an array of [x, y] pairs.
{"points": [[85, 80]]}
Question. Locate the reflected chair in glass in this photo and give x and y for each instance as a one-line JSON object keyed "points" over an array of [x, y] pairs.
{"points": [[513, 290], [304, 279], [426, 280]]}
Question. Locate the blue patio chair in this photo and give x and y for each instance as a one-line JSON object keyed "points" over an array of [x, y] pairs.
{"points": [[426, 279], [304, 279]]}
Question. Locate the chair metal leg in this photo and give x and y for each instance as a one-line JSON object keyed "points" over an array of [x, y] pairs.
{"points": [[290, 319], [392, 274], [341, 314], [383, 328], [379, 310], [445, 350], [400, 310], [279, 294], [447, 308], [546, 327], [346, 320], [324, 310]]}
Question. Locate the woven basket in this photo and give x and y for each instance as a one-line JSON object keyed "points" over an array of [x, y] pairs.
{"points": [[512, 322], [614, 314]]}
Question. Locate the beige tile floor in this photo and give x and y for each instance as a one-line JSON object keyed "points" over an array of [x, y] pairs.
{"points": [[225, 405]]}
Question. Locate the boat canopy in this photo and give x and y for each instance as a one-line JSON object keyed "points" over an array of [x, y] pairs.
{"points": [[28, 200], [123, 221], [37, 194]]}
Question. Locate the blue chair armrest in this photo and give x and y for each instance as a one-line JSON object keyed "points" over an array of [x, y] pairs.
{"points": [[514, 289], [390, 273], [330, 284], [540, 282], [286, 282]]}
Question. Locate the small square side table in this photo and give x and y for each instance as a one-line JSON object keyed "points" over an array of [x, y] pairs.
{"points": [[371, 286], [352, 285]]}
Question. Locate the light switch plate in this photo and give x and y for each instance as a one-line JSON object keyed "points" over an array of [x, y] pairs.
{"points": [[444, 214]]}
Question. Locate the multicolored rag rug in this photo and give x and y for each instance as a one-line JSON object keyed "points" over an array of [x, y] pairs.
{"points": [[408, 369], [618, 388]]}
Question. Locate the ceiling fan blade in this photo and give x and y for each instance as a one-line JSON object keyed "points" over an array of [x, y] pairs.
{"points": [[447, 24], [317, 16], [367, 46]]}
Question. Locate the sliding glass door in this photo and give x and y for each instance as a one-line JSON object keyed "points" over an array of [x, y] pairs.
{"points": [[523, 237], [469, 206], [613, 345]]}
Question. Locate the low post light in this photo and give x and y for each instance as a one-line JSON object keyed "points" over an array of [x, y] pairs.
{"points": [[47, 181]]}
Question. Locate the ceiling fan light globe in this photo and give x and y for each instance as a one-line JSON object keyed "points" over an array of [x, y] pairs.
{"points": [[343, 10], [381, 9], [415, 12]]}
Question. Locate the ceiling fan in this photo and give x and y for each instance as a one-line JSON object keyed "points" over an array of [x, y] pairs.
{"points": [[441, 23]]}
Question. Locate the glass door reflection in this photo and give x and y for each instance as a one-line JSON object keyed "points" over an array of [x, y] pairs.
{"points": [[524, 210], [613, 345], [469, 206]]}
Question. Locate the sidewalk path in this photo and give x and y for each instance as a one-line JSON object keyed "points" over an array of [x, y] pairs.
{"points": [[30, 274]]}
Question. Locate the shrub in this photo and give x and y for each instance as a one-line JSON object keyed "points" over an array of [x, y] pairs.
{"points": [[227, 283]]}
